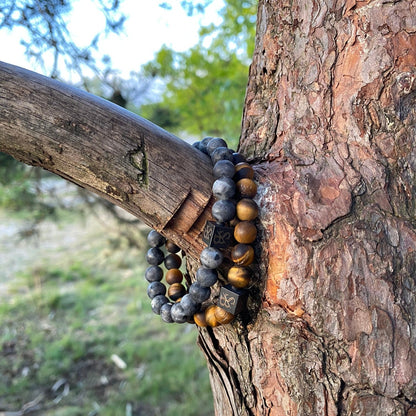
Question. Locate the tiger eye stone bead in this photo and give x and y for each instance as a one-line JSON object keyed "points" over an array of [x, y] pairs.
{"points": [[172, 261], [176, 291], [242, 255], [199, 319], [247, 188], [245, 232], [172, 247], [243, 170], [247, 210], [210, 317], [239, 276], [173, 276], [222, 316]]}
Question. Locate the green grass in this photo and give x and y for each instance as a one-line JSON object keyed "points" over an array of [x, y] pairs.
{"points": [[64, 321]]}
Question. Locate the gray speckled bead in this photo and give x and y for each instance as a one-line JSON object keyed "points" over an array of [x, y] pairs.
{"points": [[199, 293], [153, 274], [178, 314], [155, 239], [196, 145], [223, 210], [223, 168], [204, 143], [223, 188], [215, 143], [206, 277], [157, 302], [165, 313], [221, 153], [211, 257], [156, 288], [155, 256], [189, 306]]}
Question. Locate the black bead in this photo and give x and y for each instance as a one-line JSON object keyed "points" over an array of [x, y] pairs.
{"points": [[223, 210], [199, 293], [189, 306], [155, 256], [224, 188], [155, 239], [153, 274], [156, 288], [231, 299], [157, 302], [238, 158], [165, 313], [211, 257], [172, 247], [224, 168], [173, 261], [221, 153], [215, 143], [204, 143], [178, 314], [206, 277]]}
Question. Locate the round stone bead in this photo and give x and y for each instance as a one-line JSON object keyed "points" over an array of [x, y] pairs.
{"points": [[199, 319], [176, 291], [199, 293], [211, 257], [242, 255], [172, 247], [178, 314], [243, 170], [157, 302], [155, 289], [173, 276], [222, 316], [245, 232], [215, 143], [155, 256], [223, 168], [155, 239], [189, 305], [223, 210], [238, 158], [204, 143], [239, 276], [247, 210], [210, 317], [221, 153], [165, 313], [153, 274], [247, 188], [223, 188], [172, 261], [206, 277], [196, 145]]}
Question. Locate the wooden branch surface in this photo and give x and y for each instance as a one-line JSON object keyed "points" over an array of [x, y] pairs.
{"points": [[102, 147]]}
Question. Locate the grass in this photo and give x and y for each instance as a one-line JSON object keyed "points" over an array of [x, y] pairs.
{"points": [[64, 318]]}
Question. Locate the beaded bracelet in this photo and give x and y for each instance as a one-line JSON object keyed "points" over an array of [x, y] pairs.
{"points": [[234, 177]]}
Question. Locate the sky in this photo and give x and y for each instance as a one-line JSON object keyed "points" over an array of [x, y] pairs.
{"points": [[148, 27]]}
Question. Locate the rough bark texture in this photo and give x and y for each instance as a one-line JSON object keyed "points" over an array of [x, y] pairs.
{"points": [[330, 122]]}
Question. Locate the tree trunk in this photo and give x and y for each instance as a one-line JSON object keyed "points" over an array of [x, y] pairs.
{"points": [[329, 122]]}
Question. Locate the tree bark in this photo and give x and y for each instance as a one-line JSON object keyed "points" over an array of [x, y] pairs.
{"points": [[330, 123]]}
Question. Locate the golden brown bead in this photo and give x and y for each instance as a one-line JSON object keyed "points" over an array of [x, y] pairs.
{"points": [[243, 170], [173, 276], [239, 276], [222, 316], [210, 318], [245, 232], [176, 291], [199, 319], [247, 188], [247, 210], [242, 254]]}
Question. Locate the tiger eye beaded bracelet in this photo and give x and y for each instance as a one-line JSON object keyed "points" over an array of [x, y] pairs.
{"points": [[234, 224]]}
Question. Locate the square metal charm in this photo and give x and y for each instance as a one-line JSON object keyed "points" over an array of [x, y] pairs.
{"points": [[233, 300], [218, 236]]}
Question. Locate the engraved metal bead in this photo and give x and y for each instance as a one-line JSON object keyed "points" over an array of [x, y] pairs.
{"points": [[223, 188], [211, 258], [153, 274], [223, 210], [155, 256], [242, 254], [156, 288], [206, 277], [245, 232]]}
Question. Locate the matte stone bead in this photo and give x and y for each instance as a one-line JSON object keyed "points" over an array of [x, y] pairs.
{"points": [[242, 255], [206, 277], [172, 261], [221, 153], [247, 188], [247, 210], [157, 302], [223, 210], [176, 291], [223, 188], [196, 145], [215, 143], [245, 232], [165, 313], [173, 276], [189, 305], [210, 317], [243, 170], [204, 143], [199, 293], [239, 276], [217, 235], [172, 247], [199, 319], [178, 314], [222, 316], [153, 274], [232, 300], [238, 158], [223, 168], [211, 258], [155, 239], [155, 256], [156, 288]]}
